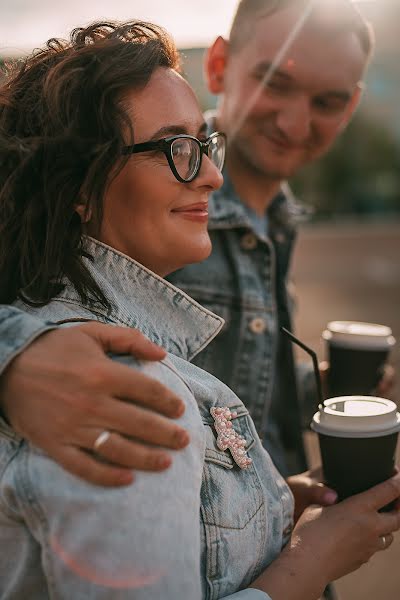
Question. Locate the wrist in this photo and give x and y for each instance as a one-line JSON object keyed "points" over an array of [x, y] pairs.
{"points": [[292, 576]]}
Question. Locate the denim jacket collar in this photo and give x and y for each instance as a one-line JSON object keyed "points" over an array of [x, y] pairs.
{"points": [[177, 323]]}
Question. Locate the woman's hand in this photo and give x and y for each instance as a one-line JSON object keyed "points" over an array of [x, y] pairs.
{"points": [[63, 391], [307, 488], [329, 542]]}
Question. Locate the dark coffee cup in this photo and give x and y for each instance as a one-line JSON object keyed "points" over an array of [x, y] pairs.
{"points": [[357, 437], [357, 353]]}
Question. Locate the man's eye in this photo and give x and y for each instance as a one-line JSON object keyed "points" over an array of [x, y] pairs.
{"points": [[277, 87], [330, 105]]}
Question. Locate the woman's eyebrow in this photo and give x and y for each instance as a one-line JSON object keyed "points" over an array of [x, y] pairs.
{"points": [[184, 129]]}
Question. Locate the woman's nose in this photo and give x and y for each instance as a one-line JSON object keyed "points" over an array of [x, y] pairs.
{"points": [[209, 176]]}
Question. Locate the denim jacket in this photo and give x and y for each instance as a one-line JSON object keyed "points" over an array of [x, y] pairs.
{"points": [[244, 281], [205, 528]]}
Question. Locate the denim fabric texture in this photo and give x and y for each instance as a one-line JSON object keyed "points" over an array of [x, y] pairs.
{"points": [[203, 529], [17, 331], [245, 281]]}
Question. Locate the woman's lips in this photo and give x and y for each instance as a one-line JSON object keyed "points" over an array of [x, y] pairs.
{"points": [[193, 212]]}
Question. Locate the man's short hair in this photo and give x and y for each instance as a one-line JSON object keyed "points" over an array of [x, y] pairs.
{"points": [[346, 18]]}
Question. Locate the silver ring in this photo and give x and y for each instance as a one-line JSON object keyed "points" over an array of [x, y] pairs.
{"points": [[383, 540], [101, 439]]}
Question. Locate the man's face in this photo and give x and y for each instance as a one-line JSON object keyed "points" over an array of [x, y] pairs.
{"points": [[281, 124]]}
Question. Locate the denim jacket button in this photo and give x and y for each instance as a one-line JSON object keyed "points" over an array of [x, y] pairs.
{"points": [[280, 238], [257, 325], [248, 241]]}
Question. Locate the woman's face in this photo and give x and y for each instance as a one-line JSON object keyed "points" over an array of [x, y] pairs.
{"points": [[148, 214]]}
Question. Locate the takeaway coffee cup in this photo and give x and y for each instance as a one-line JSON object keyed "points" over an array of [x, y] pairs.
{"points": [[357, 353], [357, 437]]}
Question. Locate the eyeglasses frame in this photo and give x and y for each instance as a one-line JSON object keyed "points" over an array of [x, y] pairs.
{"points": [[165, 145]]}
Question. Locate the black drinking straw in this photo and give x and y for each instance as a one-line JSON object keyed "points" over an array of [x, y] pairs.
{"points": [[313, 355]]}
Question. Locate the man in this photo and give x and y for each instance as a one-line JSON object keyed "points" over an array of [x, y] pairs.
{"points": [[289, 81]]}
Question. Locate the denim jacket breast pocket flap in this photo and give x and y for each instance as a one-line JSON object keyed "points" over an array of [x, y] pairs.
{"points": [[231, 496]]}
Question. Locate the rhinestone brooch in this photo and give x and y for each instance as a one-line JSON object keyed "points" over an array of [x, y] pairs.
{"points": [[228, 437]]}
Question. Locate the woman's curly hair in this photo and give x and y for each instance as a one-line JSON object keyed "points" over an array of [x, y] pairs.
{"points": [[62, 128]]}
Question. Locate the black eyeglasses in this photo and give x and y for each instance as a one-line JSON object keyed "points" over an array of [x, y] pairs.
{"points": [[185, 152]]}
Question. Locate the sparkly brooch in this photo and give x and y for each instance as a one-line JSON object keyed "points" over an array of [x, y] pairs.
{"points": [[227, 436]]}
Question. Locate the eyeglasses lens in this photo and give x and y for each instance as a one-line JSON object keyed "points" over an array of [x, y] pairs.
{"points": [[186, 157], [216, 151]]}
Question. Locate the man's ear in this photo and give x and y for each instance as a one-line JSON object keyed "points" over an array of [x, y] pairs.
{"points": [[352, 105], [214, 65]]}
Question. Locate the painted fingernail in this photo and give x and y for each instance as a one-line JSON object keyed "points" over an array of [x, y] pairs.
{"points": [[330, 497]]}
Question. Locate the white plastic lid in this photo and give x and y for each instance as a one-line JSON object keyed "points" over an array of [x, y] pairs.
{"points": [[357, 416], [359, 335]]}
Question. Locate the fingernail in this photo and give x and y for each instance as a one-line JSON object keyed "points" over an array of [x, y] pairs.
{"points": [[177, 408], [126, 478], [330, 497], [163, 462], [182, 438]]}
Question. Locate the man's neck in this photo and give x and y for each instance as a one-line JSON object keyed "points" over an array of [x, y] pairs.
{"points": [[255, 189]]}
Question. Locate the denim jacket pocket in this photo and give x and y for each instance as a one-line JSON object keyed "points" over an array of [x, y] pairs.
{"points": [[227, 485]]}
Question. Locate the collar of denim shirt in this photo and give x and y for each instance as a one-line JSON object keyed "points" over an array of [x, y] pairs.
{"points": [[143, 300]]}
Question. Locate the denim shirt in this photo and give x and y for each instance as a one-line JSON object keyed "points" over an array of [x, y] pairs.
{"points": [[203, 529], [244, 281]]}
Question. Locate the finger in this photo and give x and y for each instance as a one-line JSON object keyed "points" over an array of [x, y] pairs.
{"points": [[382, 494], [322, 495], [140, 423], [133, 455], [316, 474], [389, 521], [83, 465], [132, 385], [123, 340], [387, 381]]}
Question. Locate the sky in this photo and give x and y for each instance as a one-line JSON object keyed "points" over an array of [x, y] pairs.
{"points": [[25, 24]]}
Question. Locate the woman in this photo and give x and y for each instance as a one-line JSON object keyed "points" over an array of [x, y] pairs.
{"points": [[105, 173]]}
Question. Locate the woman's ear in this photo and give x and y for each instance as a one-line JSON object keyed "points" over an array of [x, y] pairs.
{"points": [[214, 65]]}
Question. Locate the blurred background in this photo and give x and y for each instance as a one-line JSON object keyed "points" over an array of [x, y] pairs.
{"points": [[347, 264]]}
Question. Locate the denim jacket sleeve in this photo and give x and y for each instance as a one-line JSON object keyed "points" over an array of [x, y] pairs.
{"points": [[17, 331], [77, 540]]}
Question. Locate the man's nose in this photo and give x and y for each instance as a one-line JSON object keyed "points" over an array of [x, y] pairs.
{"points": [[294, 120]]}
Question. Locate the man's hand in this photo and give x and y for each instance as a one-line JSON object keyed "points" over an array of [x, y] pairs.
{"points": [[386, 383], [63, 391], [307, 489]]}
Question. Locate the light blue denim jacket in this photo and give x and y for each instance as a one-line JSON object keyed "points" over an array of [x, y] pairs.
{"points": [[203, 529]]}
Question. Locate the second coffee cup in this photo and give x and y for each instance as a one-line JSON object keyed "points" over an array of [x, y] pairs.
{"points": [[357, 353]]}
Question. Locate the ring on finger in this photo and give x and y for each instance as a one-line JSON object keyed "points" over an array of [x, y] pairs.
{"points": [[386, 541], [101, 440]]}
